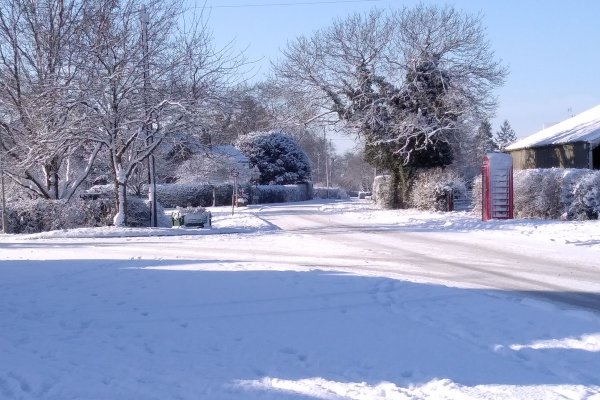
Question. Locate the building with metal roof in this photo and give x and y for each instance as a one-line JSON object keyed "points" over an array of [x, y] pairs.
{"points": [[572, 143]]}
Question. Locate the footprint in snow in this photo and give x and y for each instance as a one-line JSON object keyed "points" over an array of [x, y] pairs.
{"points": [[288, 350], [148, 349], [23, 384]]}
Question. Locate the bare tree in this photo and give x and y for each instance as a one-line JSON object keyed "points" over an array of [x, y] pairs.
{"points": [[77, 77], [353, 173], [205, 75], [126, 95], [325, 69], [40, 109], [141, 92], [245, 112], [405, 81]]}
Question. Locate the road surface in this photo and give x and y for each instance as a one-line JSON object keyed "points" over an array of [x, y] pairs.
{"points": [[306, 236]]}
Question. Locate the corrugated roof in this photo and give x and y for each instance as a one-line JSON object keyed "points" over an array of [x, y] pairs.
{"points": [[584, 127]]}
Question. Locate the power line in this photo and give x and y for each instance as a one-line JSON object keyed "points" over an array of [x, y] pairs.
{"points": [[295, 3]]}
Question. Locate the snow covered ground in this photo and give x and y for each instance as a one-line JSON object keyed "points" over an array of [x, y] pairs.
{"points": [[290, 305]]}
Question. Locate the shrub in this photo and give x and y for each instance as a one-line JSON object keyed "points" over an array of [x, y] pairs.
{"points": [[537, 193], [278, 157], [263, 194], [39, 215], [201, 194], [172, 195], [431, 188], [138, 213], [330, 193], [476, 200], [586, 198], [546, 193], [381, 194]]}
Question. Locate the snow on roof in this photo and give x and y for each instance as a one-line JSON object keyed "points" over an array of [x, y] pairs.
{"points": [[584, 127], [231, 151], [500, 160]]}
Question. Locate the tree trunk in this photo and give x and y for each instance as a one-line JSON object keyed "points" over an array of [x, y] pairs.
{"points": [[152, 191], [52, 179], [71, 188], [399, 186], [395, 187], [120, 218]]}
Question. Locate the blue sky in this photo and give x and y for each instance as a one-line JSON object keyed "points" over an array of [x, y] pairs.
{"points": [[551, 47]]}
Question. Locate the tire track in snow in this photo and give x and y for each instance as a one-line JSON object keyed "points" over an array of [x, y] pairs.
{"points": [[485, 265]]}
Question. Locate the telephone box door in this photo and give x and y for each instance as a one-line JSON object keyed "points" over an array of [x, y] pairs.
{"points": [[497, 186]]}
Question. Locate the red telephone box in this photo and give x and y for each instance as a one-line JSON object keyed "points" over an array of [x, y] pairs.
{"points": [[497, 186]]}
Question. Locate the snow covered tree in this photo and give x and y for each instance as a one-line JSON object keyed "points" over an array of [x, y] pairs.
{"points": [[41, 116], [141, 90], [317, 148], [213, 168], [467, 161], [127, 98], [83, 78], [207, 78], [353, 172], [242, 113], [505, 136], [278, 157], [405, 81], [484, 140]]}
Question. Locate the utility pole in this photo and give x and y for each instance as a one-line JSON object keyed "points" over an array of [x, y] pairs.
{"points": [[149, 139], [234, 173], [326, 163], [331, 159], [4, 216]]}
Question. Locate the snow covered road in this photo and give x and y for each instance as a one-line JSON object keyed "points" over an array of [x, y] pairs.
{"points": [[318, 301], [494, 259]]}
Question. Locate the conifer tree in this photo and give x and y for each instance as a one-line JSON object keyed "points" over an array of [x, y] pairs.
{"points": [[505, 136], [484, 139]]}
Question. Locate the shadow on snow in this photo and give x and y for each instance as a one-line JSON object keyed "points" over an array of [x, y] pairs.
{"points": [[146, 324]]}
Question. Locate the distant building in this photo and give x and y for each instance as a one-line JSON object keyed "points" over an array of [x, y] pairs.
{"points": [[231, 152], [572, 143]]}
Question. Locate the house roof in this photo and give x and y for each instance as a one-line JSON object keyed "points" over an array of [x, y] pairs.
{"points": [[230, 151], [584, 127]]}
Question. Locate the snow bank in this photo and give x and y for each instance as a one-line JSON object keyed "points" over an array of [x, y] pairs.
{"points": [[223, 223], [580, 233]]}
